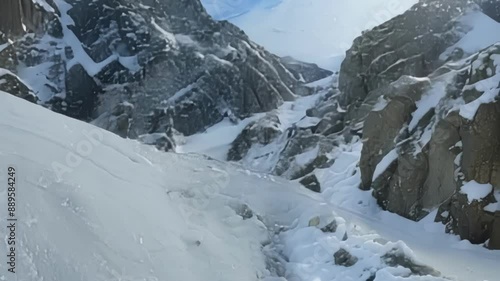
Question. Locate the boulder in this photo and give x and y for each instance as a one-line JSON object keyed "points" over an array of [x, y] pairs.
{"points": [[343, 258], [303, 153], [116, 121], [11, 84], [397, 258], [262, 132], [311, 182]]}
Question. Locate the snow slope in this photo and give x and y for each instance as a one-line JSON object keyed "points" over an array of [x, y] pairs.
{"points": [[93, 206], [317, 31], [458, 260]]}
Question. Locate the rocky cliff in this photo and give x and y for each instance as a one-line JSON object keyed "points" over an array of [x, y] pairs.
{"points": [[421, 91], [144, 67], [426, 103]]}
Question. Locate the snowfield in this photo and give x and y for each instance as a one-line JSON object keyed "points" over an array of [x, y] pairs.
{"points": [[94, 206], [316, 31]]}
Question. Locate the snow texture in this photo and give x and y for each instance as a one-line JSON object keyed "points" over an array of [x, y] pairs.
{"points": [[475, 190], [88, 199]]}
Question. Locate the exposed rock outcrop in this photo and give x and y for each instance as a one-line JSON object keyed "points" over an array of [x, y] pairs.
{"points": [[178, 66], [11, 84], [262, 132], [429, 115]]}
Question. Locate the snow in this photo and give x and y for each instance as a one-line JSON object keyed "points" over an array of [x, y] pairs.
{"points": [[382, 166], [475, 190], [429, 101], [308, 122], [169, 37], [216, 140], [478, 36], [489, 86], [182, 92], [44, 5], [81, 56], [307, 157], [4, 46], [381, 104], [131, 63], [458, 260], [316, 31], [325, 82], [88, 199], [468, 111]]}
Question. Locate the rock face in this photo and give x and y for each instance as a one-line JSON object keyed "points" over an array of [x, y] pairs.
{"points": [[405, 45], [178, 67], [262, 132], [306, 72], [19, 16], [429, 116], [426, 110], [297, 151], [10, 83]]}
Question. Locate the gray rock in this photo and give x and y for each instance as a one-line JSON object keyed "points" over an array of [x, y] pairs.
{"points": [[311, 182], [481, 145], [403, 190], [244, 211], [11, 84], [263, 132], [157, 55], [302, 71], [396, 258], [379, 134], [441, 149], [405, 45], [331, 227], [304, 152], [344, 258], [469, 220], [494, 242], [116, 121], [441, 154]]}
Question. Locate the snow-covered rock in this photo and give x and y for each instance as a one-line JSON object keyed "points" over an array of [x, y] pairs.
{"points": [[93, 206], [171, 60]]}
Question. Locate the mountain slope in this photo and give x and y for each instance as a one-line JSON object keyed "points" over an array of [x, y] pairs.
{"points": [[318, 31], [420, 92], [141, 68], [93, 206]]}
